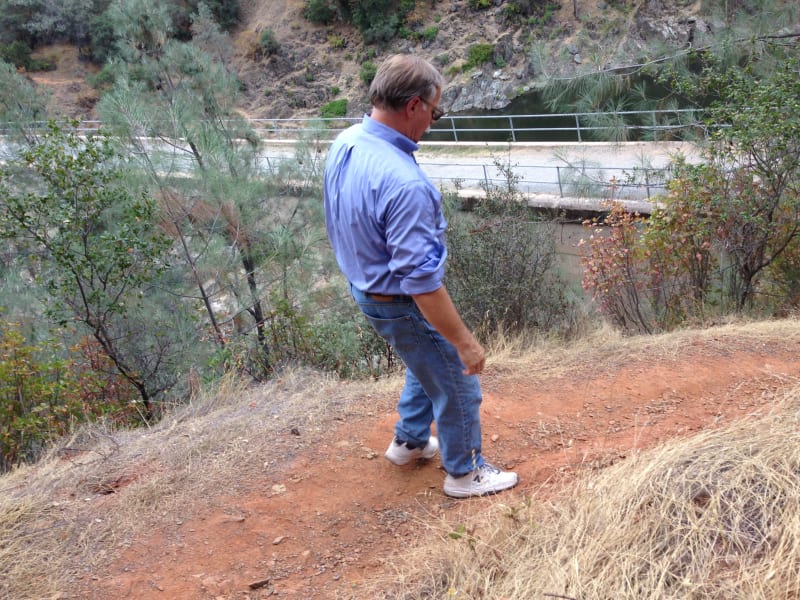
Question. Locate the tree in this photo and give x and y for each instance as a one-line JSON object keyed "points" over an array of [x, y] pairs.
{"points": [[92, 244], [21, 106], [757, 151], [174, 106], [726, 222], [40, 21]]}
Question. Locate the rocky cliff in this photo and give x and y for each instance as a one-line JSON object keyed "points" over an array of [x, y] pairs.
{"points": [[316, 64]]}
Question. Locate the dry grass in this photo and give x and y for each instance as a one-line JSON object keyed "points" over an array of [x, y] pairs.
{"points": [[714, 516], [72, 512], [605, 348], [696, 519]]}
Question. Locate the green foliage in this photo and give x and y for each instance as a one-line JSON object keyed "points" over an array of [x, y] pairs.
{"points": [[19, 54], [615, 272], [759, 153], [16, 53], [37, 22], [429, 33], [367, 72], [268, 43], [22, 108], [334, 108], [322, 12], [227, 13], [335, 341], [337, 42], [104, 78], [479, 4], [102, 40], [90, 237], [378, 20], [478, 54], [351, 348], [37, 401], [502, 272], [43, 396], [725, 225]]}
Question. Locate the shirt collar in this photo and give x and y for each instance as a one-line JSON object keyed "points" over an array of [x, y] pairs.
{"points": [[392, 136]]}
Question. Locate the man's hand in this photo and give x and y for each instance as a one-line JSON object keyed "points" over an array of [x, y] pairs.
{"points": [[438, 308], [473, 357]]}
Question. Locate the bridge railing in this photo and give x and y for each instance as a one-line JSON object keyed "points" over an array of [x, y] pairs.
{"points": [[651, 125], [632, 182]]}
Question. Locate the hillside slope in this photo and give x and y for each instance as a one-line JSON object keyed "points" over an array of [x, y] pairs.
{"points": [[315, 64], [282, 489]]}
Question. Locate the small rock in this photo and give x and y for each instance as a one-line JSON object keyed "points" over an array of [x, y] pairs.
{"points": [[258, 584], [495, 437], [278, 540]]}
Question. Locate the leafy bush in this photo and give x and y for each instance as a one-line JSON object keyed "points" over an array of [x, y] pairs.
{"points": [[429, 33], [478, 54], [334, 108], [614, 271], [502, 271], [102, 39], [319, 11], [19, 54], [268, 43], [367, 72], [378, 20], [337, 42], [351, 348], [43, 396]]}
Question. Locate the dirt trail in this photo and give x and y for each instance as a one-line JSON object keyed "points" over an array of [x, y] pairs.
{"points": [[337, 514]]}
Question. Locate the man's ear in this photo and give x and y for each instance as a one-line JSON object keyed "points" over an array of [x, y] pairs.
{"points": [[413, 106]]}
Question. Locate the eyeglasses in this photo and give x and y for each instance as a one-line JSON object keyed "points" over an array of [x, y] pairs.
{"points": [[436, 112]]}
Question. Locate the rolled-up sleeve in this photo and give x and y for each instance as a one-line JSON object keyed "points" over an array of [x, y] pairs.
{"points": [[415, 228]]}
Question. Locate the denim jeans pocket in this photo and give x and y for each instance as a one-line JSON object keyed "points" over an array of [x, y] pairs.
{"points": [[399, 331]]}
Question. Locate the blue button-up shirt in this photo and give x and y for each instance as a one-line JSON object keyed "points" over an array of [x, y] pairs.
{"points": [[383, 215]]}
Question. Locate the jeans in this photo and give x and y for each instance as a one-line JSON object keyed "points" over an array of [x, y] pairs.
{"points": [[436, 388]]}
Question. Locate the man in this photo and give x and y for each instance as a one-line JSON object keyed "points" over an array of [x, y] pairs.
{"points": [[385, 223]]}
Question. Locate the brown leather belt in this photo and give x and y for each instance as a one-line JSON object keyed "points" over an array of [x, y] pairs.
{"points": [[382, 298]]}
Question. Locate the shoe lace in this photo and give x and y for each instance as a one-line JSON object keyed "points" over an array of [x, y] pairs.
{"points": [[485, 469]]}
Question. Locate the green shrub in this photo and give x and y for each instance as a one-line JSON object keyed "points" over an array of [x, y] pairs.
{"points": [[502, 271], [319, 11], [478, 54], [103, 79], [19, 54], [267, 43], [42, 396], [337, 42], [350, 348], [16, 53], [479, 4], [367, 72], [429, 33], [334, 108]]}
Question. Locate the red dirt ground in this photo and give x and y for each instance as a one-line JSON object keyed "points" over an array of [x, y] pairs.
{"points": [[335, 515]]}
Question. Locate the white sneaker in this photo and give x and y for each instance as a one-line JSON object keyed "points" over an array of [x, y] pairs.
{"points": [[400, 454], [486, 479]]}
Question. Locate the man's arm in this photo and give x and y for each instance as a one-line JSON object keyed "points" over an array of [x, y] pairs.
{"points": [[438, 308]]}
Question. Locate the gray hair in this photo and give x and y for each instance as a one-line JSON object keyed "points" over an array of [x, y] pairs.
{"points": [[401, 78]]}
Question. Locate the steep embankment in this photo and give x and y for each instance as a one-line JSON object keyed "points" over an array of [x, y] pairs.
{"points": [[315, 64]]}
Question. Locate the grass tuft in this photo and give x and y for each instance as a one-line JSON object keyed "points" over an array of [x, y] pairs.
{"points": [[716, 515]]}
